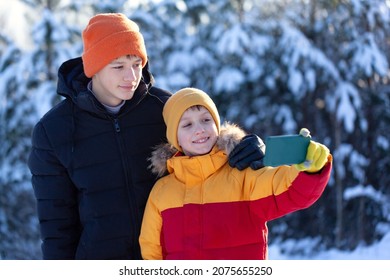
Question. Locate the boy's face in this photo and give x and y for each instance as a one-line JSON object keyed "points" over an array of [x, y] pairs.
{"points": [[197, 132], [118, 80]]}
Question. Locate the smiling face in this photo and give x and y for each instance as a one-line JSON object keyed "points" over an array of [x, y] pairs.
{"points": [[118, 80], [197, 132]]}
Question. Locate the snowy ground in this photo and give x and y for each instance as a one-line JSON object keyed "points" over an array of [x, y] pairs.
{"points": [[378, 251]]}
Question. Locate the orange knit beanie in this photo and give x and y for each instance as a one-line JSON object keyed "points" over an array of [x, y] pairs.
{"points": [[107, 37], [181, 101]]}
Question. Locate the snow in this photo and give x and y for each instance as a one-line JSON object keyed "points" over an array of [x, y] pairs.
{"points": [[285, 118], [233, 40], [228, 79], [378, 251], [346, 102]]}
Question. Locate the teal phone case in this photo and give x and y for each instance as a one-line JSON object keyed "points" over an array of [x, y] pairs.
{"points": [[285, 149]]}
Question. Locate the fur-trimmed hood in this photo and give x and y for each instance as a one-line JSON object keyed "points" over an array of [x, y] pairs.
{"points": [[230, 135]]}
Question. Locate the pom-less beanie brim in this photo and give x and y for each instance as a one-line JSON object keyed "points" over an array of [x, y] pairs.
{"points": [[107, 37]]}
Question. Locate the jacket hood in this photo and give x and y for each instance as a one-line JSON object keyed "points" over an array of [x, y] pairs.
{"points": [[230, 135], [72, 82]]}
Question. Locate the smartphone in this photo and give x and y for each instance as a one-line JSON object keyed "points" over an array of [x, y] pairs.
{"points": [[285, 149]]}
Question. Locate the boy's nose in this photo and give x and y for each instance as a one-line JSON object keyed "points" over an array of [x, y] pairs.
{"points": [[199, 128], [130, 75]]}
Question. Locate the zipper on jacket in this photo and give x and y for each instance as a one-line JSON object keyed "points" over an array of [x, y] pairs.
{"points": [[116, 124], [129, 185]]}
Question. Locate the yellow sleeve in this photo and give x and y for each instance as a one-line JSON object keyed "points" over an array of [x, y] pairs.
{"points": [[151, 230]]}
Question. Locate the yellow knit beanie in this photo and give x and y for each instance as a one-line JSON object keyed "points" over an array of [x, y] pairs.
{"points": [[181, 101], [109, 36]]}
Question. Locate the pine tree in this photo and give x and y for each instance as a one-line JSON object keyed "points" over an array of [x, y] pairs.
{"points": [[28, 90], [18, 226]]}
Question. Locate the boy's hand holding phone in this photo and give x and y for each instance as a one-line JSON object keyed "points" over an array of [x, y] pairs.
{"points": [[316, 158]]}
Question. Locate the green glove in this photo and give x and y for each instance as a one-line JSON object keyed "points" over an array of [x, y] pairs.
{"points": [[316, 156]]}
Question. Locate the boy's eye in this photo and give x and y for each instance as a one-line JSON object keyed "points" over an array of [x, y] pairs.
{"points": [[118, 67]]}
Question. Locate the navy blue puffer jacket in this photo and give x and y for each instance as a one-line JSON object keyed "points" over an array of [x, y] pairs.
{"points": [[90, 170]]}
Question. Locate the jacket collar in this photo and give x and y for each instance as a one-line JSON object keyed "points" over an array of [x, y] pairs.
{"points": [[194, 170]]}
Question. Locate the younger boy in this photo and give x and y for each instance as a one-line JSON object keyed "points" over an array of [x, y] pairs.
{"points": [[204, 209]]}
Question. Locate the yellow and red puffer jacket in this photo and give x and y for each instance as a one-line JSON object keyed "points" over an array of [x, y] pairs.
{"points": [[204, 209]]}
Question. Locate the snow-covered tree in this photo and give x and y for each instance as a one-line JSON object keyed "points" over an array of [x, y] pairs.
{"points": [[16, 222], [28, 89], [355, 41]]}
